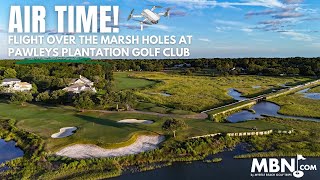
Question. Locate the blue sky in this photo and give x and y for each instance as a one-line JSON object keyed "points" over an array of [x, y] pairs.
{"points": [[220, 28]]}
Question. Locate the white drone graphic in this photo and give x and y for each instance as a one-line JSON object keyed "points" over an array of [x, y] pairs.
{"points": [[150, 17]]}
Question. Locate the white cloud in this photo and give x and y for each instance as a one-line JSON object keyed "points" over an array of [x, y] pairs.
{"points": [[161, 27], [204, 39], [229, 23], [248, 30], [297, 36], [213, 3], [232, 25], [86, 3]]}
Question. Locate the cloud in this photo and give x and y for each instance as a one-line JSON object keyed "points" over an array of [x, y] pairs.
{"points": [[293, 1], [54, 32], [204, 39], [258, 13], [226, 4], [137, 26], [86, 3], [297, 36], [232, 25], [229, 23], [178, 13], [132, 26], [161, 27], [248, 30], [288, 15]]}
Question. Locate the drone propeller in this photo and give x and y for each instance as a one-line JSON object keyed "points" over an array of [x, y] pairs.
{"points": [[130, 15], [167, 13]]}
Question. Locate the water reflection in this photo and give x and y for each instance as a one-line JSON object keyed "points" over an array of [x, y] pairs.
{"points": [[9, 151], [260, 109], [305, 93], [236, 94]]}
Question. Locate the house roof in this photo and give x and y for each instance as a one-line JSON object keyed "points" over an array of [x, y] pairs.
{"points": [[83, 79], [10, 79], [24, 84]]}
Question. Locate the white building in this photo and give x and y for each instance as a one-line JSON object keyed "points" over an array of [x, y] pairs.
{"points": [[9, 82], [21, 86], [13, 85], [79, 85]]}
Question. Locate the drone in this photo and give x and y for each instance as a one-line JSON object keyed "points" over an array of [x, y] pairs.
{"points": [[150, 17]]}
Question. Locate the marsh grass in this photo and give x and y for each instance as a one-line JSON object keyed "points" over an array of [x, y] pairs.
{"points": [[196, 93], [297, 105]]}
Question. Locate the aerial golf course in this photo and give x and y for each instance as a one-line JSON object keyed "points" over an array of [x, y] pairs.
{"points": [[105, 139], [190, 94]]}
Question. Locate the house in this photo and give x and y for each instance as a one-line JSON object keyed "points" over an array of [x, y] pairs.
{"points": [[21, 86], [10, 82], [81, 84], [13, 85], [82, 80]]}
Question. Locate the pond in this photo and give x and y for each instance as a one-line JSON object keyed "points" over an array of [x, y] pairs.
{"points": [[236, 94], [228, 169], [305, 93], [260, 109], [263, 108], [9, 151]]}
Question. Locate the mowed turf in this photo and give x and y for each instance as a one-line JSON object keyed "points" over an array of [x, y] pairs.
{"points": [[102, 128], [123, 81], [198, 93]]}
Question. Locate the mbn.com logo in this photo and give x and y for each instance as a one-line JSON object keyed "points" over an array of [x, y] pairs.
{"points": [[280, 167]]}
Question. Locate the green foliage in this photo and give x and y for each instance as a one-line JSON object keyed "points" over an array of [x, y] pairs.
{"points": [[174, 125], [21, 97], [43, 97], [83, 101], [10, 73]]}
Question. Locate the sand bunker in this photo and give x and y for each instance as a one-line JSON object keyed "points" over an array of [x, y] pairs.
{"points": [[135, 121], [142, 144], [64, 132]]}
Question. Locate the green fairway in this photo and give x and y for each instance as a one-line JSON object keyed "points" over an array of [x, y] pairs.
{"points": [[123, 81], [198, 93]]}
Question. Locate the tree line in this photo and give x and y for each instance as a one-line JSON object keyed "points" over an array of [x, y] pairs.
{"points": [[228, 66]]}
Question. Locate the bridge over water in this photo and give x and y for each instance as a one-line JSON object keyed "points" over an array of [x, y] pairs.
{"points": [[263, 97]]}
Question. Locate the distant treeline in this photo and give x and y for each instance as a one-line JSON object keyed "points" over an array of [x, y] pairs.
{"points": [[226, 66]]}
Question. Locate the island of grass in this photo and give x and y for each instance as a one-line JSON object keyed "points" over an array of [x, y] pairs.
{"points": [[296, 104]]}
